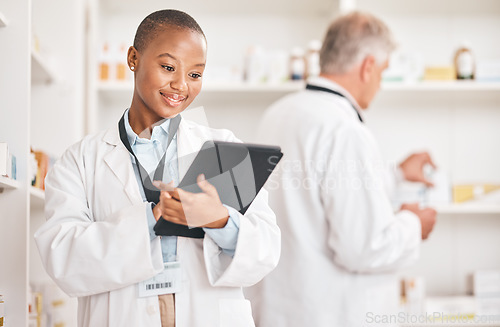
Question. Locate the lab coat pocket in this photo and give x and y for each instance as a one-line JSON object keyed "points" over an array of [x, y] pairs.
{"points": [[235, 313]]}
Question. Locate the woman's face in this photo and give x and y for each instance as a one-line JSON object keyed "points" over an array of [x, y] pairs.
{"points": [[168, 72]]}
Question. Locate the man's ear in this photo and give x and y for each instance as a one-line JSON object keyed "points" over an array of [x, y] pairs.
{"points": [[132, 58], [367, 67]]}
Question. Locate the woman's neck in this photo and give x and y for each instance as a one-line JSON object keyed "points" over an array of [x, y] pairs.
{"points": [[143, 121]]}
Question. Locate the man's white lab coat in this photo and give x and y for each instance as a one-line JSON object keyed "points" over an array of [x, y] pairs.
{"points": [[96, 244], [341, 240]]}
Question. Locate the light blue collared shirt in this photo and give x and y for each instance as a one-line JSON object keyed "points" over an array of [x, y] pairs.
{"points": [[149, 153]]}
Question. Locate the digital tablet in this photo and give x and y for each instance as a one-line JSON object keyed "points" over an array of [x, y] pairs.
{"points": [[237, 170]]}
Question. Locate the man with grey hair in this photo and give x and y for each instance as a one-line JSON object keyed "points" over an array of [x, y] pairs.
{"points": [[342, 242]]}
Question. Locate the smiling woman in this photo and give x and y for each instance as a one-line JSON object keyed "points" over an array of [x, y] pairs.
{"points": [[167, 69], [99, 242]]}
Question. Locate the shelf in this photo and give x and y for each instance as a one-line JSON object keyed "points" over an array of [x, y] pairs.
{"points": [[8, 183], [214, 87], [37, 197], [459, 310], [281, 7], [468, 208], [40, 72], [441, 86], [245, 87], [3, 21], [296, 86]]}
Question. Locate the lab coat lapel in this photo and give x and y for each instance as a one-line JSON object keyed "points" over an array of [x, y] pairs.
{"points": [[118, 160]]}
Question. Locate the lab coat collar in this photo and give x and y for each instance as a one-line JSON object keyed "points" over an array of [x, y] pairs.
{"points": [[329, 84], [118, 160], [133, 138], [189, 142]]}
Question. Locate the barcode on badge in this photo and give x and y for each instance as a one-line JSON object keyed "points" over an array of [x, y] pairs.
{"points": [[158, 285]]}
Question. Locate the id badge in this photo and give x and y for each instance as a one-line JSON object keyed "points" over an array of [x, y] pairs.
{"points": [[166, 282]]}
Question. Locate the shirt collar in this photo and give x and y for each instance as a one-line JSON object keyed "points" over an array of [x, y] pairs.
{"points": [[329, 84], [133, 138]]}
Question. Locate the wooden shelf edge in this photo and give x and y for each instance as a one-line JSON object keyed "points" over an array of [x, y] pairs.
{"points": [[40, 72], [8, 183]]}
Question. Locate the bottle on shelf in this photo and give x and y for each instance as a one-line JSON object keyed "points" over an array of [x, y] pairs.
{"points": [[104, 63], [278, 67], [312, 58], [7, 162], [297, 64], [2, 311], [464, 62], [255, 65], [121, 67]]}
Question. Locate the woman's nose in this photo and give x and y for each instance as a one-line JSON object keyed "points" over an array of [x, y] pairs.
{"points": [[179, 82]]}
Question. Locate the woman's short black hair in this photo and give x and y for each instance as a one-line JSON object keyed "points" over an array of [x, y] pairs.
{"points": [[155, 22]]}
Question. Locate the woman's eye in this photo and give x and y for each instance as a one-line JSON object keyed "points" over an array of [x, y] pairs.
{"points": [[195, 75], [169, 68]]}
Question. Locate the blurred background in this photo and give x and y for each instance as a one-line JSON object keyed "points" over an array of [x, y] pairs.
{"points": [[64, 75]]}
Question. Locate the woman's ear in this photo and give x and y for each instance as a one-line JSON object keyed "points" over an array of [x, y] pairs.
{"points": [[132, 58], [367, 67]]}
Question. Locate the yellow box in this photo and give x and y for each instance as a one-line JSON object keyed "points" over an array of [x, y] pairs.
{"points": [[440, 73], [467, 192]]}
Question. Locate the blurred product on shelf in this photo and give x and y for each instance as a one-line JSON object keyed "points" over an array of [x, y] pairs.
{"points": [[223, 74], [488, 70], [2, 311], [487, 283], [413, 295], [104, 63], [440, 73], [404, 67], [7, 162], [297, 64], [464, 62], [312, 58], [113, 63], [35, 42], [35, 311], [278, 67], [440, 193], [451, 310], [468, 192], [120, 63], [487, 291], [49, 306], [43, 164], [255, 65]]}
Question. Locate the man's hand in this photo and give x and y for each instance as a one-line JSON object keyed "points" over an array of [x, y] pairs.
{"points": [[191, 209], [413, 167], [427, 217]]}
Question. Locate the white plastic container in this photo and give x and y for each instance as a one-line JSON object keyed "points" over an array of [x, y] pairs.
{"points": [[464, 62], [312, 58], [297, 64]]}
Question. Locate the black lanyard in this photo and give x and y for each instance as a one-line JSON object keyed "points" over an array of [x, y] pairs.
{"points": [[324, 89], [152, 193]]}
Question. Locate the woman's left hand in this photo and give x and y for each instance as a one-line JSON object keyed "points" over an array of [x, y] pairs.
{"points": [[192, 209]]}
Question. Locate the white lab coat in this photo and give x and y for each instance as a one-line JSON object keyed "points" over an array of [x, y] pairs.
{"points": [[341, 240], [96, 244]]}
